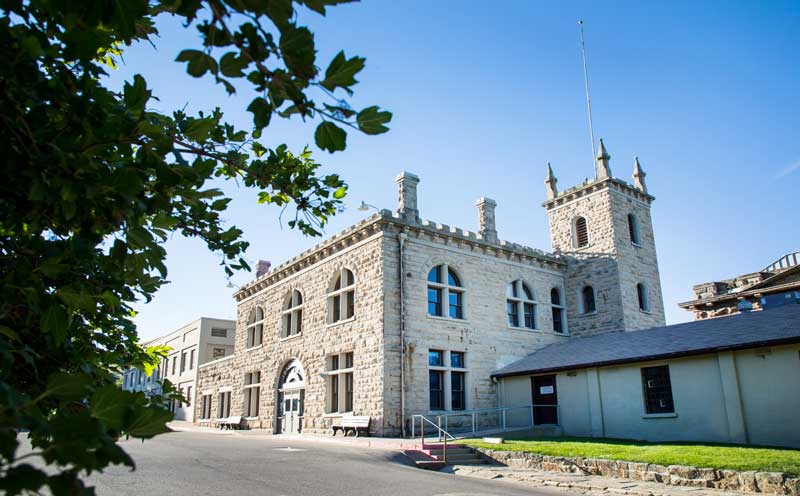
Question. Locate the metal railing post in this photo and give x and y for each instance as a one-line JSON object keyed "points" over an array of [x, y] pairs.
{"points": [[533, 422], [422, 431], [413, 433], [473, 422], [444, 451], [504, 418], [439, 425]]}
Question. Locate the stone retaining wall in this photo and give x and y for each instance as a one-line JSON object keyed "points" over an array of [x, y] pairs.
{"points": [[676, 475]]}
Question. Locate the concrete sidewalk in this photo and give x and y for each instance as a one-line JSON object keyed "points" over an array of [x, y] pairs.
{"points": [[585, 484]]}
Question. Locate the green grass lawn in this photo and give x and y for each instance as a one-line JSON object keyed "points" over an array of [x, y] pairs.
{"points": [[721, 456]]}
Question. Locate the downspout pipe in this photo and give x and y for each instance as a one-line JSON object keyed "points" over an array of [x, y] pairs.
{"points": [[401, 239]]}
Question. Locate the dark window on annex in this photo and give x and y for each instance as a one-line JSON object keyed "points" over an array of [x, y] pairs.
{"points": [[657, 390]]}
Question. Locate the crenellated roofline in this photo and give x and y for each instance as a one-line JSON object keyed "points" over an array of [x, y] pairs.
{"points": [[592, 185], [386, 221]]}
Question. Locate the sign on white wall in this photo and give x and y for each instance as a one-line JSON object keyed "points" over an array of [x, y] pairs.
{"points": [[546, 390]]}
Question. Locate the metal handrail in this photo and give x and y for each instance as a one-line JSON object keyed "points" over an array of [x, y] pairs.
{"points": [[443, 434], [502, 419]]}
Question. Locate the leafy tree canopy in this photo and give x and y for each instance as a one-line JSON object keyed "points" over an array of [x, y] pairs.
{"points": [[94, 181]]}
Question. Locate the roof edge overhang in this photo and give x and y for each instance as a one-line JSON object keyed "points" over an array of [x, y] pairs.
{"points": [[657, 356]]}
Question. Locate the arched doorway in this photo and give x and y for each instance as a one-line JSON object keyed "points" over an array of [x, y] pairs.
{"points": [[291, 398]]}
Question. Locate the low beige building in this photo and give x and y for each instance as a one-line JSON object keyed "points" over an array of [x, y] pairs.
{"points": [[192, 345], [728, 380], [397, 316]]}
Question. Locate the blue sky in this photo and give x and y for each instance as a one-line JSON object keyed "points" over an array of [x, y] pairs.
{"points": [[484, 94]]}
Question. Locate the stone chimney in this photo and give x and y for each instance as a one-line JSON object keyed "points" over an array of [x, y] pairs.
{"points": [[638, 176], [551, 182], [407, 196], [603, 169], [262, 267], [486, 225]]}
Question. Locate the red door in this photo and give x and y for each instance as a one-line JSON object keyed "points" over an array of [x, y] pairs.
{"points": [[544, 393]]}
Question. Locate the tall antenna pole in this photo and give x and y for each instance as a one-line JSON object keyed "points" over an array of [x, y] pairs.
{"points": [[588, 99]]}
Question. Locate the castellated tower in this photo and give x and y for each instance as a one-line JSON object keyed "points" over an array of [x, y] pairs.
{"points": [[604, 230]]}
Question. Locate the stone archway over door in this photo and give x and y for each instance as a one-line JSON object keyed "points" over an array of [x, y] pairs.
{"points": [[291, 398]]}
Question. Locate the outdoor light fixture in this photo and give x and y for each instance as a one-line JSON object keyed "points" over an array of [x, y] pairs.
{"points": [[366, 206]]}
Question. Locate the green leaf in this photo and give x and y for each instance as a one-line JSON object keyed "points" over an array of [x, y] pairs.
{"points": [[318, 6], [149, 421], [21, 479], [341, 72], [371, 120], [198, 62], [232, 65], [198, 129], [297, 47], [262, 112], [68, 385], [110, 404], [55, 322], [330, 137], [340, 193]]}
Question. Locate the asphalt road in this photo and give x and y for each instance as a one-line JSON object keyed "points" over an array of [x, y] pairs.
{"points": [[191, 463]]}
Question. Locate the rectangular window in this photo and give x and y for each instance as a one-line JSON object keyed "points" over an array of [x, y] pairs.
{"points": [[457, 390], [340, 383], [219, 333], [337, 302], [334, 406], [435, 302], [558, 325], [174, 364], [348, 392], [436, 386], [657, 390], [205, 407], [191, 359], [513, 313], [217, 352], [348, 360], [252, 393], [436, 358], [189, 396], [457, 359], [456, 308], [224, 409], [183, 362], [530, 315], [351, 304]]}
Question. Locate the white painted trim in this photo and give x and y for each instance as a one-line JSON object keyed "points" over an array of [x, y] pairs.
{"points": [[225, 389], [218, 360], [659, 415]]}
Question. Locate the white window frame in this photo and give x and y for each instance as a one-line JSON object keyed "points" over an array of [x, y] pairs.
{"points": [[446, 370], [339, 375], [292, 314], [520, 301], [255, 328], [223, 404], [247, 393], [343, 293], [205, 407], [446, 288]]}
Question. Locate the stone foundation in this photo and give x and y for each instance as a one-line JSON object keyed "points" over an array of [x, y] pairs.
{"points": [[675, 475]]}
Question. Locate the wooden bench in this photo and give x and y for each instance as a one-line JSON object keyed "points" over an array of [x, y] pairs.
{"points": [[230, 423], [352, 424]]}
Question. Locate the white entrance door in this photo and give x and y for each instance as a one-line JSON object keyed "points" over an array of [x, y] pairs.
{"points": [[292, 412]]}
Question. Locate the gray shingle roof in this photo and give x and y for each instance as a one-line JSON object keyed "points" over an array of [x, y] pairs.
{"points": [[750, 330]]}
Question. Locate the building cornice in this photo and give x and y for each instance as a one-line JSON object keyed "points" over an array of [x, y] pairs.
{"points": [[755, 292], [382, 221], [591, 186]]}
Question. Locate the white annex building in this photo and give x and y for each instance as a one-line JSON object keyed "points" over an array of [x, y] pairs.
{"points": [[397, 317], [192, 345]]}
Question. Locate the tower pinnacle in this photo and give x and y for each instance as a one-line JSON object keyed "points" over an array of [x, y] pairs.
{"points": [[638, 176], [551, 181], [603, 170]]}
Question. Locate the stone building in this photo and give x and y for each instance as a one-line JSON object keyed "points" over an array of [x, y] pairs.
{"points": [[774, 285], [396, 316], [192, 345]]}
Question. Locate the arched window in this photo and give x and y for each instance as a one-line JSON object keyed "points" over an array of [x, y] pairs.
{"points": [[558, 311], [520, 303], [581, 233], [255, 328], [342, 297], [587, 300], [444, 285], [292, 314], [633, 229], [644, 301]]}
